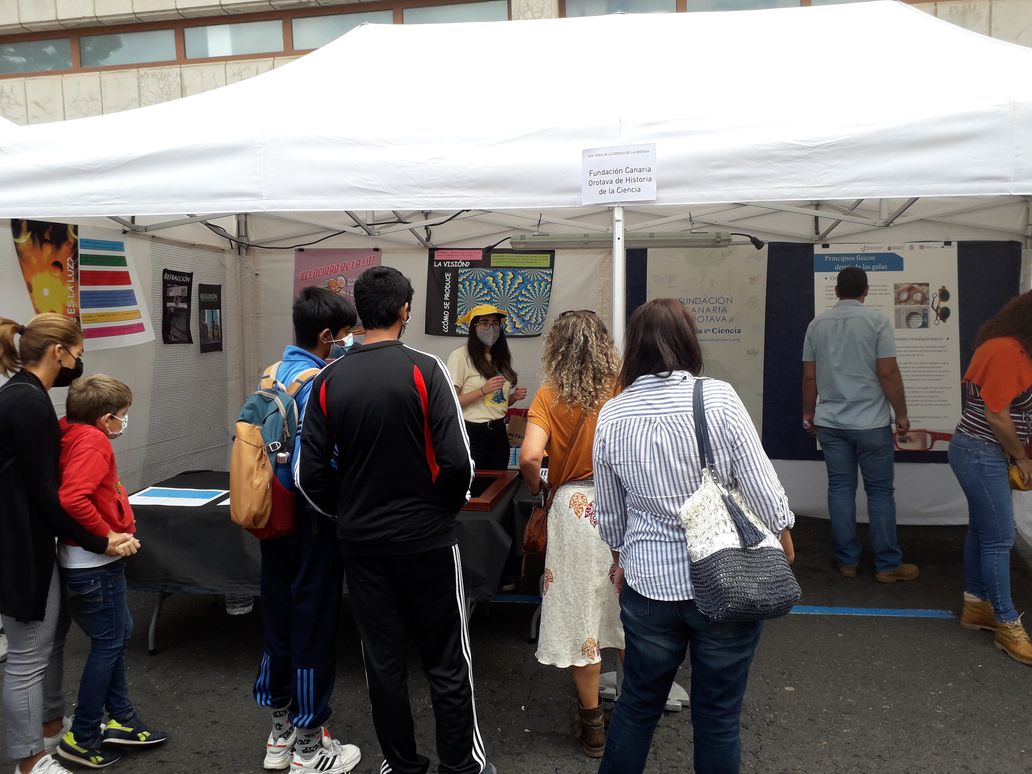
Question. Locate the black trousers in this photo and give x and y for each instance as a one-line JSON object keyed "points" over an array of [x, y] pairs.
{"points": [[302, 583], [488, 444], [417, 597]]}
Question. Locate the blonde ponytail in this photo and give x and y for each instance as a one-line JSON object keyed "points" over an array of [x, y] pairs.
{"points": [[42, 331]]}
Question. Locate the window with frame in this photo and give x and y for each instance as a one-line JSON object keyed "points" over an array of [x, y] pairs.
{"points": [[491, 10], [311, 32], [127, 48], [603, 7], [35, 56], [740, 5], [239, 39]]}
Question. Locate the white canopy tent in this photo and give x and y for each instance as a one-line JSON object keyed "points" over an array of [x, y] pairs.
{"points": [[793, 124]]}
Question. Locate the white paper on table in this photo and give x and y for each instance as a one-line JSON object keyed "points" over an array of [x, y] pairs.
{"points": [[175, 497]]}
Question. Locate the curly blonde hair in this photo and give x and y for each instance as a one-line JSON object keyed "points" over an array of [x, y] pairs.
{"points": [[580, 360]]}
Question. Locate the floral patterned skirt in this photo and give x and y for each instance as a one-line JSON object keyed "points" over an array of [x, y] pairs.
{"points": [[580, 612]]}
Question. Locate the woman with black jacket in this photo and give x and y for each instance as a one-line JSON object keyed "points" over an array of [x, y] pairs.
{"points": [[48, 353]]}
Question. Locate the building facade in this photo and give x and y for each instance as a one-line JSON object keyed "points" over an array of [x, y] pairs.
{"points": [[65, 59]]}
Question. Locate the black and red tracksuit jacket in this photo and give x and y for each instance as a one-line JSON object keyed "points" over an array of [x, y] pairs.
{"points": [[388, 414]]}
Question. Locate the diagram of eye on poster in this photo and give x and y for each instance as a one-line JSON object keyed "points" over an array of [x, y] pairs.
{"points": [[85, 276], [726, 291], [176, 300], [209, 310], [333, 269], [915, 286], [519, 282]]}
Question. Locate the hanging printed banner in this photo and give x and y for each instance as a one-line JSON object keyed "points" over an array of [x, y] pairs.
{"points": [[519, 282], [333, 269], [48, 254], [176, 299], [87, 279], [209, 309], [915, 286]]}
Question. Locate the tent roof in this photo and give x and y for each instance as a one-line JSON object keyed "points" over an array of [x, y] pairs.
{"points": [[832, 102]]}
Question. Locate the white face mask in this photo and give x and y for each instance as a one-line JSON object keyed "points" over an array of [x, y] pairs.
{"points": [[488, 337], [341, 347], [125, 423]]}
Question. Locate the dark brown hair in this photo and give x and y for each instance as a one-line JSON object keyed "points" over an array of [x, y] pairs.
{"points": [[92, 397], [501, 359], [1014, 319], [660, 339]]}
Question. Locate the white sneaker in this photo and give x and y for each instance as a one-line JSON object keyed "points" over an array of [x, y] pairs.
{"points": [[50, 743], [45, 765], [333, 758], [278, 750]]}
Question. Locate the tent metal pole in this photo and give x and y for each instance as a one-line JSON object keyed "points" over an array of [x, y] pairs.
{"points": [[619, 278]]}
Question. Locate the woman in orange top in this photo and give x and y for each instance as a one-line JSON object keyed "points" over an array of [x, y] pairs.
{"points": [[995, 425], [580, 612]]}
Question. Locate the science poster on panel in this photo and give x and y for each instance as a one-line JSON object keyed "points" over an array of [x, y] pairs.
{"points": [[726, 291], [176, 300], [333, 269], [517, 281], [209, 313], [86, 275], [915, 286]]}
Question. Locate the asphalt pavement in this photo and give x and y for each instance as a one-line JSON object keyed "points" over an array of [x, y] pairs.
{"points": [[828, 693]]}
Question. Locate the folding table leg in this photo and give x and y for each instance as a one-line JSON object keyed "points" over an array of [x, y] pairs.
{"points": [[152, 631]]}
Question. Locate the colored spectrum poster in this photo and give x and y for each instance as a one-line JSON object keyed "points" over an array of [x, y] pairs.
{"points": [[110, 301], [87, 279], [48, 255], [915, 286], [176, 300], [519, 282], [726, 291], [209, 310], [333, 269]]}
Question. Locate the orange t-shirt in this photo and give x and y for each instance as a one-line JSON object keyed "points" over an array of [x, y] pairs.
{"points": [[565, 457], [1002, 370]]}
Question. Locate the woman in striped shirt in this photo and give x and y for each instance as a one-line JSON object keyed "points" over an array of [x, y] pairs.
{"points": [[646, 465], [995, 425]]}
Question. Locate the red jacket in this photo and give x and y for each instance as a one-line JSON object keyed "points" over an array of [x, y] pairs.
{"points": [[91, 492]]}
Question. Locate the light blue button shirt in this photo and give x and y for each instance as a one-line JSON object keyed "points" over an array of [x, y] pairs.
{"points": [[846, 342]]}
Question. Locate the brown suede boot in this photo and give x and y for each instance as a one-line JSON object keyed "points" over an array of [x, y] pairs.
{"points": [[591, 734], [1013, 640], [978, 614]]}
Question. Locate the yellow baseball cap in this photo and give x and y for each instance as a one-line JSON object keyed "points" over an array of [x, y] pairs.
{"points": [[480, 311]]}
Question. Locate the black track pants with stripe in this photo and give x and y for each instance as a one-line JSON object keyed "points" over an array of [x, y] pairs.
{"points": [[418, 598], [302, 583]]}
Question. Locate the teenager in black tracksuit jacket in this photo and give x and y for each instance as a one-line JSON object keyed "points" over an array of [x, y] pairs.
{"points": [[389, 417]]}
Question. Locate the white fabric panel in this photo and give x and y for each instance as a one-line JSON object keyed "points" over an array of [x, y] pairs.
{"points": [[777, 118], [580, 282], [925, 493]]}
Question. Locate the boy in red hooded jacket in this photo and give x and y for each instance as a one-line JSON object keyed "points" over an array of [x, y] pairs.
{"points": [[92, 494]]}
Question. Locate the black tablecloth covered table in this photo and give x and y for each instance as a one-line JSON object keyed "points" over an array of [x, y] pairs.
{"points": [[199, 550]]}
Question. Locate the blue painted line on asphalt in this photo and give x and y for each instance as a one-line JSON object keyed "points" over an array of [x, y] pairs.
{"points": [[872, 612]]}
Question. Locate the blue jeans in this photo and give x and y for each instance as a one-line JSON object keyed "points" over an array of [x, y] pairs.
{"points": [[97, 597], [872, 450], [658, 635], [981, 468]]}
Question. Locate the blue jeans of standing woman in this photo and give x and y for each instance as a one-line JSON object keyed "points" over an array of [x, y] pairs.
{"points": [[659, 633], [871, 450], [981, 468], [97, 598]]}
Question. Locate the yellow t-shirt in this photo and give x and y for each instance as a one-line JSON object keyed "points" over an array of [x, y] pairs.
{"points": [[466, 378]]}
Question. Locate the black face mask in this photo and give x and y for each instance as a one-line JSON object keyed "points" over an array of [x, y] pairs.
{"points": [[68, 375]]}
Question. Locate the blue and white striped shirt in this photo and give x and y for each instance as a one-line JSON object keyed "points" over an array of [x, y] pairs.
{"points": [[647, 464]]}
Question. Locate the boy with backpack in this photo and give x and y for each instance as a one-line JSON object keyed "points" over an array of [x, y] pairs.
{"points": [[302, 575], [92, 493]]}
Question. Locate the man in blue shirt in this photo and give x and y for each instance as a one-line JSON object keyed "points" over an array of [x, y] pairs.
{"points": [[850, 381], [302, 576]]}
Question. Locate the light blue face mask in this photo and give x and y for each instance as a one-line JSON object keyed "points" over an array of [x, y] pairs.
{"points": [[341, 347]]}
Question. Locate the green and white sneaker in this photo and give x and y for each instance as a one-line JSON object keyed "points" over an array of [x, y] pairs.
{"points": [[132, 733], [91, 757]]}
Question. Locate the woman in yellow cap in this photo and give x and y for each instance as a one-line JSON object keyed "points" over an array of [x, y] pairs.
{"points": [[485, 381]]}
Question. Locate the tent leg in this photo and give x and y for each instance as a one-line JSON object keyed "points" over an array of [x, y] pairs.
{"points": [[619, 278]]}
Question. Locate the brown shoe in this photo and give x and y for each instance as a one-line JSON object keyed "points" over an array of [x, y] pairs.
{"points": [[978, 614], [1013, 640], [905, 572], [847, 570], [591, 734]]}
